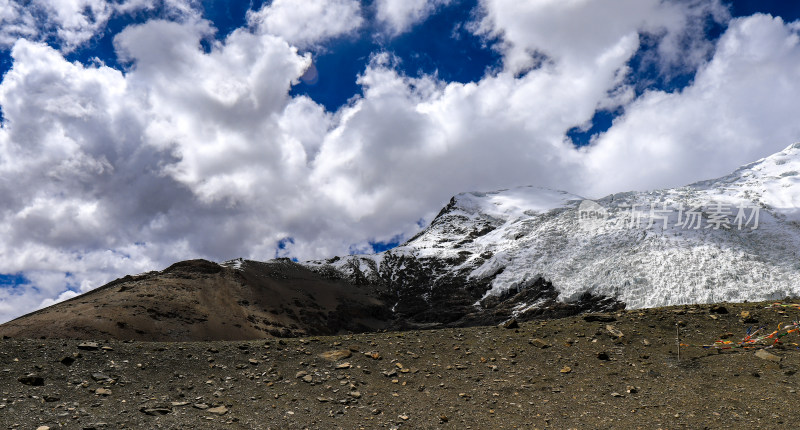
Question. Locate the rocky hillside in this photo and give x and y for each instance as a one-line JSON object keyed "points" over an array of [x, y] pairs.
{"points": [[200, 300]]}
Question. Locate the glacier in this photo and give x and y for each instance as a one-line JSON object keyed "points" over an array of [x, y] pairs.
{"points": [[734, 238]]}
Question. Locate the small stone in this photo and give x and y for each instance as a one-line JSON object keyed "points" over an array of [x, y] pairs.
{"points": [[219, 410], [616, 394], [443, 418], [67, 360], [89, 346], [566, 369], [599, 318], [718, 309], [158, 410], [336, 354], [764, 355], [178, 404], [51, 398], [630, 389], [343, 366], [602, 355], [645, 342], [253, 361], [43, 428], [539, 343], [32, 380], [107, 348], [354, 394], [510, 324], [614, 331], [403, 417], [300, 374], [201, 406], [307, 378], [97, 376], [102, 391], [748, 317], [373, 355]]}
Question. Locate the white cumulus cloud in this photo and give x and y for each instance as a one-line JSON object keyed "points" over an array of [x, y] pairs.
{"points": [[400, 15], [308, 22]]}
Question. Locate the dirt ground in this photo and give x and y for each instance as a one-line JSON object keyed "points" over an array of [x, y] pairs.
{"points": [[559, 374]]}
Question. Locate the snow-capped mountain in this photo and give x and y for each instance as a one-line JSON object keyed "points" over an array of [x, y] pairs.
{"points": [[734, 238]]}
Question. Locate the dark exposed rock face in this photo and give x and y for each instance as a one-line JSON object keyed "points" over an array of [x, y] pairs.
{"points": [[427, 293]]}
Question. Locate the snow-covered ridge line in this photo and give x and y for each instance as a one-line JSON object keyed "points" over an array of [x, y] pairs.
{"points": [[734, 238]]}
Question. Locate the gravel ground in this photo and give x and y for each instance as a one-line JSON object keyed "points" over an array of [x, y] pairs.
{"points": [[560, 374]]}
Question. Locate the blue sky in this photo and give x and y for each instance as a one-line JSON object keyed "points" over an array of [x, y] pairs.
{"points": [[136, 133]]}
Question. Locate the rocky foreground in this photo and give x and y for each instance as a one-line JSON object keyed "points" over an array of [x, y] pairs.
{"points": [[615, 370]]}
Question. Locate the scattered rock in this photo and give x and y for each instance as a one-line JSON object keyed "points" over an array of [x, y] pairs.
{"points": [[67, 360], [599, 317], [718, 309], [645, 342], [253, 361], [219, 410], [336, 354], [764, 355], [616, 394], [307, 378], [354, 394], [300, 374], [178, 404], [748, 317], [613, 331], [32, 380], [98, 376], [43, 428], [201, 406], [630, 389], [155, 410], [602, 355], [102, 392], [510, 324], [373, 355], [539, 343], [343, 366], [89, 346], [566, 369]]}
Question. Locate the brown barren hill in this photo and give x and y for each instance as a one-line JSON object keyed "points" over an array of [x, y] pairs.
{"points": [[201, 300]]}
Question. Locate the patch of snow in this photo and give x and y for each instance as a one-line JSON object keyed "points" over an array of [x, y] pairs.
{"points": [[235, 264]]}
